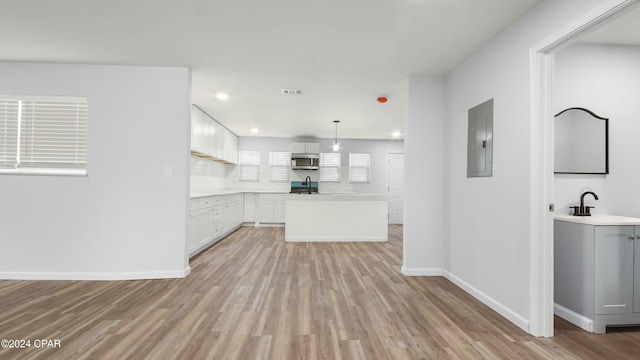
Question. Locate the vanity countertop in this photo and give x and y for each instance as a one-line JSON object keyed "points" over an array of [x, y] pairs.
{"points": [[599, 219]]}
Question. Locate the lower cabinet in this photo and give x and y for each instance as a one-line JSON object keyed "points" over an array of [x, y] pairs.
{"points": [[597, 274], [271, 208], [614, 288], [212, 218], [250, 207], [192, 240]]}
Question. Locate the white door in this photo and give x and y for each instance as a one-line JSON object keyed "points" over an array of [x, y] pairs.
{"points": [[396, 180]]}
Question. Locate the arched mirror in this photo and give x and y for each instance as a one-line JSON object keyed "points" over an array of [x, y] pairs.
{"points": [[581, 142]]}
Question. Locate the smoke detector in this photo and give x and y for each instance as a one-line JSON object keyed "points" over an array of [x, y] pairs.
{"points": [[291, 91]]}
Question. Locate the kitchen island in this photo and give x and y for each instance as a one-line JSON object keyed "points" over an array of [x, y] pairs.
{"points": [[336, 217]]}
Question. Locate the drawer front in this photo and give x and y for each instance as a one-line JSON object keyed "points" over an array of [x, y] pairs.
{"points": [[206, 203], [209, 202]]}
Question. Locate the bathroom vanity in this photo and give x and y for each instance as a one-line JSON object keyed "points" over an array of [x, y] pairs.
{"points": [[597, 271]]}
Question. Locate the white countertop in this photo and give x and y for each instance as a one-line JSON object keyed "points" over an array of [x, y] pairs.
{"points": [[337, 197], [231, 192], [319, 196], [599, 219]]}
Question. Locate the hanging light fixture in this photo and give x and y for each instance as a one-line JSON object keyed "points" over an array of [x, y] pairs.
{"points": [[336, 146]]}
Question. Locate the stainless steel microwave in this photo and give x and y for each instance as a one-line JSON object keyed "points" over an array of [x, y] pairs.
{"points": [[305, 161]]}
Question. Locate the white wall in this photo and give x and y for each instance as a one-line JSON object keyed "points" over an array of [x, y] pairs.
{"points": [[486, 242], [605, 80], [378, 149], [424, 201], [125, 219]]}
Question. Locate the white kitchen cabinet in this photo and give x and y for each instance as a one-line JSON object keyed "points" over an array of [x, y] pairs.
{"points": [[271, 208], [212, 218], [197, 130], [279, 209], [216, 138], [211, 140], [230, 147], [302, 148], [192, 230], [597, 274], [249, 208]]}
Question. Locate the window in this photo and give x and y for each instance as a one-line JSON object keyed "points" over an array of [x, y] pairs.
{"points": [[279, 162], [43, 135], [359, 167], [330, 167], [249, 166]]}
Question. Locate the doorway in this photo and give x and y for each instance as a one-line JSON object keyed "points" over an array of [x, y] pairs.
{"points": [[542, 179], [395, 178]]}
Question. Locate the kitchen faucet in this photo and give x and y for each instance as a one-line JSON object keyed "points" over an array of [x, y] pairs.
{"points": [[584, 210], [307, 182]]}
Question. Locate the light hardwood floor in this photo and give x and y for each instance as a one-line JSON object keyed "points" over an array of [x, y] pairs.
{"points": [[253, 296]]}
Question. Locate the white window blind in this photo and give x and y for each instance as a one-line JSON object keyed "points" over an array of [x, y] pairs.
{"points": [[330, 167], [359, 167], [249, 166], [279, 163], [8, 133], [43, 134]]}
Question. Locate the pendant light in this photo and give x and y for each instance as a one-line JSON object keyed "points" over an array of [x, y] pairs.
{"points": [[336, 146]]}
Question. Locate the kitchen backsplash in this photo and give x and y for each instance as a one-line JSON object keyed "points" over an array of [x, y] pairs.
{"points": [[207, 176], [264, 184]]}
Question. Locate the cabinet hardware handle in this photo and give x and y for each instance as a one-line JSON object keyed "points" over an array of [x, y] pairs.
{"points": [[631, 237]]}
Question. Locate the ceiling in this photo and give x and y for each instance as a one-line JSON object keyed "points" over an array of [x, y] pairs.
{"points": [[342, 54]]}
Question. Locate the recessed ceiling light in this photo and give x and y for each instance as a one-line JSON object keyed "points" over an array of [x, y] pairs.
{"points": [[222, 96], [395, 134], [254, 130]]}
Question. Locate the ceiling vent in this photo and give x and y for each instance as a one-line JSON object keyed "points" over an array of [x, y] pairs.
{"points": [[291, 91]]}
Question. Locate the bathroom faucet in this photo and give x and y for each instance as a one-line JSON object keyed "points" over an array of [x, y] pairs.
{"points": [[586, 193], [584, 210]]}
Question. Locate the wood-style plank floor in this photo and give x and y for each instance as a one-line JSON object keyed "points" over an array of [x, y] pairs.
{"points": [[253, 296]]}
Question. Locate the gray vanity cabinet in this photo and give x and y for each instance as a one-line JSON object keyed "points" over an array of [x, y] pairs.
{"points": [[614, 260], [597, 274], [636, 267]]}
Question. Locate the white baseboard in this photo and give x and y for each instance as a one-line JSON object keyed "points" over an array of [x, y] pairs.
{"points": [[496, 306], [420, 271], [268, 224], [95, 276], [573, 317]]}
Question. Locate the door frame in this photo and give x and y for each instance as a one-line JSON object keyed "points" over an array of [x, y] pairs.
{"points": [[541, 67], [389, 181]]}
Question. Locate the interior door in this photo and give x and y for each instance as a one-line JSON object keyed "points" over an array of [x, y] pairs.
{"points": [[396, 180]]}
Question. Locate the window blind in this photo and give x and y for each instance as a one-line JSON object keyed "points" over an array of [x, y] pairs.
{"points": [[279, 163], [8, 133], [43, 134], [53, 133], [249, 166], [330, 167], [359, 167]]}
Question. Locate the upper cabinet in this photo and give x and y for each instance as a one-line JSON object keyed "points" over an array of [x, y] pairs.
{"points": [[305, 148], [211, 140]]}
